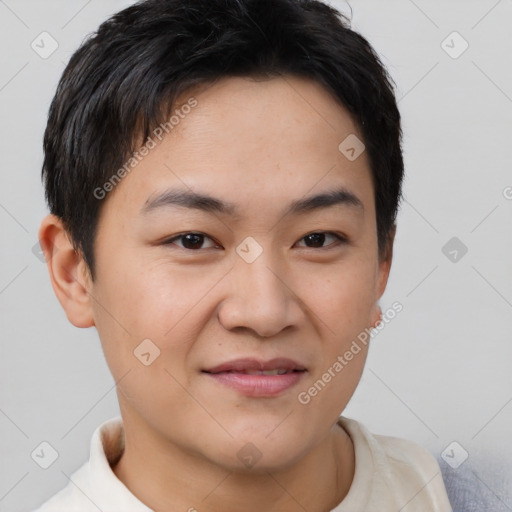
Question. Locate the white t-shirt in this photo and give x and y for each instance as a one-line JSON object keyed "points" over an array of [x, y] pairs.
{"points": [[391, 475]]}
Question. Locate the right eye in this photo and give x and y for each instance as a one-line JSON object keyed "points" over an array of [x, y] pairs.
{"points": [[191, 241]]}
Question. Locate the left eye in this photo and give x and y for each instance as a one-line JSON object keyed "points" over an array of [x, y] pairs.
{"points": [[317, 240]]}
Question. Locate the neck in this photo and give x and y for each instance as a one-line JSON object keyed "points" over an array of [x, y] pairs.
{"points": [[168, 478]]}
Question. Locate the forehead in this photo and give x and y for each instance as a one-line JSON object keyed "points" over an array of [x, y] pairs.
{"points": [[250, 141], [288, 109]]}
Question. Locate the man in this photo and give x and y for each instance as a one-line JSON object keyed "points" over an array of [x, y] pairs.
{"points": [[223, 178]]}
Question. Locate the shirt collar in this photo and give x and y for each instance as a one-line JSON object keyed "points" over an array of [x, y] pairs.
{"points": [[108, 493]]}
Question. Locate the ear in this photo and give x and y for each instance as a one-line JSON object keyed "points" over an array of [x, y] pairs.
{"points": [[384, 268], [68, 271]]}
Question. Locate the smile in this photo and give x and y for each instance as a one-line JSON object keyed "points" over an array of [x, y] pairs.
{"points": [[256, 378]]}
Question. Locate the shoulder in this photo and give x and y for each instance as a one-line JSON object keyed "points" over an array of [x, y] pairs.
{"points": [[407, 456], [402, 455], [403, 471], [70, 498], [88, 485]]}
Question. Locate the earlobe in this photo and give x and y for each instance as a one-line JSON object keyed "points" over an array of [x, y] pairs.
{"points": [[68, 272], [376, 316], [384, 268]]}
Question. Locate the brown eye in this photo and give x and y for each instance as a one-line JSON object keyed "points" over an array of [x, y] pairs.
{"points": [[317, 240], [190, 241]]}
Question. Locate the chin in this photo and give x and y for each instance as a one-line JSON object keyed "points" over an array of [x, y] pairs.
{"points": [[250, 460], [253, 451]]}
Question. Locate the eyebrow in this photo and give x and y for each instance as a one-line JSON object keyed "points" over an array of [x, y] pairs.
{"points": [[210, 204]]}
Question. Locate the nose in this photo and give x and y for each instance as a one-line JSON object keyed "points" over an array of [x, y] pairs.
{"points": [[260, 299]]}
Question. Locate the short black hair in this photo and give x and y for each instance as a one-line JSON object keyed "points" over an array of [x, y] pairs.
{"points": [[124, 80]]}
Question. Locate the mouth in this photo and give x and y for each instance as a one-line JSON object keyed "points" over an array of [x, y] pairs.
{"points": [[257, 378], [277, 371]]}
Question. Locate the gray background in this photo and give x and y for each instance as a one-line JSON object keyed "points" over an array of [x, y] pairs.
{"points": [[439, 372]]}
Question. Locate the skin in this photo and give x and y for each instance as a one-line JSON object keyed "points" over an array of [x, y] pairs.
{"points": [[259, 145]]}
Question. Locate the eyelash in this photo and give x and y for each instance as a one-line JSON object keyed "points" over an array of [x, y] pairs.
{"points": [[340, 240]]}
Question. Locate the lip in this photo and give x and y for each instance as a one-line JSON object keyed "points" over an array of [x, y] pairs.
{"points": [[232, 374], [239, 365]]}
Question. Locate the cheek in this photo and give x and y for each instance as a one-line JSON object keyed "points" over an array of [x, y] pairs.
{"points": [[161, 304], [152, 299], [342, 301], [342, 298], [331, 389]]}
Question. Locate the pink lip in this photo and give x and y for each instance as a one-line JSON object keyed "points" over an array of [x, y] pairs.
{"points": [[239, 365], [232, 374]]}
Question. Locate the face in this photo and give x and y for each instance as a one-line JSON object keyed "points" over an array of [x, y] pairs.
{"points": [[258, 278]]}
